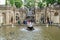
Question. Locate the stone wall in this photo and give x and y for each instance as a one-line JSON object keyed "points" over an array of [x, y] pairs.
{"points": [[50, 13], [8, 14]]}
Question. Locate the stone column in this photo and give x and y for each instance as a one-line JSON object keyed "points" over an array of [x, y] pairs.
{"points": [[21, 17], [1, 19], [4, 17], [37, 17], [56, 17], [7, 17], [13, 14], [59, 16]]}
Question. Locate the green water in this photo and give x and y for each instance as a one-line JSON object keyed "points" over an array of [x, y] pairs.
{"points": [[20, 33]]}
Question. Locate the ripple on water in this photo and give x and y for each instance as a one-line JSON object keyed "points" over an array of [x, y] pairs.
{"points": [[36, 29], [2, 38], [31, 35]]}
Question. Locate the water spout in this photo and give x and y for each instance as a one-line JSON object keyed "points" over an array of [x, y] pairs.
{"points": [[46, 25], [25, 29], [12, 25]]}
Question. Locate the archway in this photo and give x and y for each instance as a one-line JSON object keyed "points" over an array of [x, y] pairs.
{"points": [[4, 17]]}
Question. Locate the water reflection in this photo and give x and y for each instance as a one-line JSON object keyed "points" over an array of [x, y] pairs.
{"points": [[20, 33]]}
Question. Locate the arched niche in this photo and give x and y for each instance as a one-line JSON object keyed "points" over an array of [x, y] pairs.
{"points": [[4, 17]]}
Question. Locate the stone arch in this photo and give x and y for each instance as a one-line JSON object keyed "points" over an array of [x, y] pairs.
{"points": [[4, 17]]}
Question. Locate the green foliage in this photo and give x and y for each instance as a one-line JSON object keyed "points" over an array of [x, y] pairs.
{"points": [[58, 1], [40, 4], [47, 2], [17, 0], [12, 2], [50, 1], [6, 2], [18, 4], [29, 3]]}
